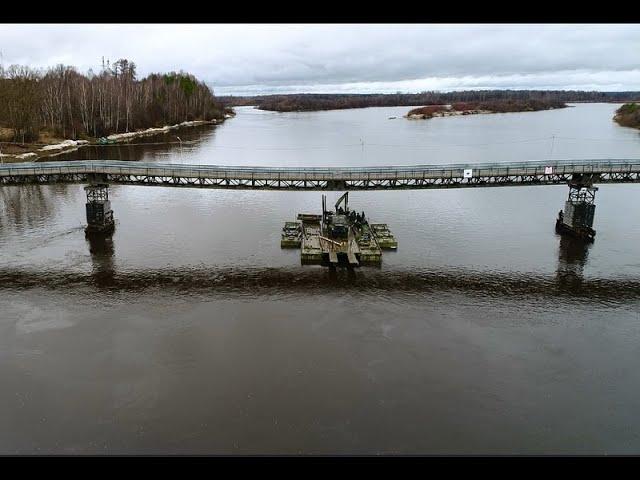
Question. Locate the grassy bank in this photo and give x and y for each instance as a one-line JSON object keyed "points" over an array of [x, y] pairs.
{"points": [[628, 115]]}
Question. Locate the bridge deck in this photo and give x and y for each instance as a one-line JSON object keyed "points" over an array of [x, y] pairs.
{"points": [[321, 178]]}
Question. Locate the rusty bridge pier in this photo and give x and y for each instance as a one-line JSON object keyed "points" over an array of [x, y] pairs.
{"points": [[99, 214], [577, 218]]}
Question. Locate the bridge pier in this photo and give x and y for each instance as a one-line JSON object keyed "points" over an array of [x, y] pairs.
{"points": [[577, 218], [336, 185], [98, 207]]}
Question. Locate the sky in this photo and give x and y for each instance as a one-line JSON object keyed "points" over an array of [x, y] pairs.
{"points": [[239, 59]]}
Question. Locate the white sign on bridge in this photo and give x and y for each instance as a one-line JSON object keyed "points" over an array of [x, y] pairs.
{"points": [[548, 170], [468, 172]]}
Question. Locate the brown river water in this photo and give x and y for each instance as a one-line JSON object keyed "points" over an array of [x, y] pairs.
{"points": [[191, 331]]}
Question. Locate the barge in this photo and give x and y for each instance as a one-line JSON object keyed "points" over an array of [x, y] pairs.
{"points": [[340, 237]]}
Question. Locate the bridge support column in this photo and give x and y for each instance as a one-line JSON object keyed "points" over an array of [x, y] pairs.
{"points": [[336, 185], [577, 218], [99, 213]]}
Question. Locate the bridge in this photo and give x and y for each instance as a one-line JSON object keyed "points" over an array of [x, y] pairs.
{"points": [[579, 175], [321, 178]]}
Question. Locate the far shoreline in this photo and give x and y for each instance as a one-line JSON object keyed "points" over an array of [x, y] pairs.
{"points": [[257, 107], [314, 102]]}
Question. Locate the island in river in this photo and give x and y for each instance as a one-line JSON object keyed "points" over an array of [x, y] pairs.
{"points": [[628, 115], [471, 108]]}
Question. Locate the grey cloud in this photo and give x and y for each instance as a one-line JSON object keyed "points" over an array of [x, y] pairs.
{"points": [[281, 57]]}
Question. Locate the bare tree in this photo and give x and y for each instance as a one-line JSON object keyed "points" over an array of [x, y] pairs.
{"points": [[71, 104]]}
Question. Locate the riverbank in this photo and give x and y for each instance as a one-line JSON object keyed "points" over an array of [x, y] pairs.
{"points": [[33, 152]]}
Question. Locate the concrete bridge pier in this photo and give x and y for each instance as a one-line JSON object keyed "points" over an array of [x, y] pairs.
{"points": [[576, 219], [98, 207]]}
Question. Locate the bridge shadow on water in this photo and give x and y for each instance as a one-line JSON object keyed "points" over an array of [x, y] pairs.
{"points": [[567, 283]]}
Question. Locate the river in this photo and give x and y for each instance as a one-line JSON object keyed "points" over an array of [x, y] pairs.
{"points": [[191, 331]]}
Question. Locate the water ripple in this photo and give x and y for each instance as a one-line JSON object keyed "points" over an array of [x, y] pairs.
{"points": [[255, 282]]}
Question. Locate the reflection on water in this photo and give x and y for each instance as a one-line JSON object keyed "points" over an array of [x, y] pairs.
{"points": [[102, 252], [572, 258], [18, 205], [573, 252]]}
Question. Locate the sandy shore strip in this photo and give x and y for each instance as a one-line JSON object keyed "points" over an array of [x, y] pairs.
{"points": [[124, 137], [72, 145]]}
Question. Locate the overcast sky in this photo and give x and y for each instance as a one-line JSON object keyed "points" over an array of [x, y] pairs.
{"points": [[254, 59]]}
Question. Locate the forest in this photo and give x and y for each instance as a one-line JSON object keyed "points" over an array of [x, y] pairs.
{"points": [[313, 102], [61, 102]]}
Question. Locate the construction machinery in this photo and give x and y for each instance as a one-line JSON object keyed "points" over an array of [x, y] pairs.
{"points": [[338, 237]]}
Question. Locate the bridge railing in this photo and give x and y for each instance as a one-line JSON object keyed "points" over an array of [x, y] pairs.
{"points": [[498, 169]]}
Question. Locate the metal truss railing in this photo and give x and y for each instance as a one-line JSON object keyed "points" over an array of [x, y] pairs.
{"points": [[323, 178]]}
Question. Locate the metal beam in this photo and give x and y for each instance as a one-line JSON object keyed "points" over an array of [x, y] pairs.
{"points": [[323, 178]]}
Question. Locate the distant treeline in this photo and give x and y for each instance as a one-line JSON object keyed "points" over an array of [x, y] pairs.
{"points": [[628, 115], [312, 102], [69, 104], [510, 105]]}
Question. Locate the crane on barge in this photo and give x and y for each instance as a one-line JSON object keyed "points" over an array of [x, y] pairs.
{"points": [[339, 237]]}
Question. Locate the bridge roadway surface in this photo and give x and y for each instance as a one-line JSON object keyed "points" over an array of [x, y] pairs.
{"points": [[399, 177]]}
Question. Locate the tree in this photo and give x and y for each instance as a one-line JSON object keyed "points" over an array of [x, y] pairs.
{"points": [[72, 105]]}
